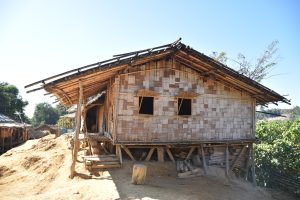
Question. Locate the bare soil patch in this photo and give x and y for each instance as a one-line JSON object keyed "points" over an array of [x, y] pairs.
{"points": [[39, 169]]}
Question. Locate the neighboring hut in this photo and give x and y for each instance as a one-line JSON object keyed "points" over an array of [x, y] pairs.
{"points": [[52, 129], [169, 99], [12, 133]]}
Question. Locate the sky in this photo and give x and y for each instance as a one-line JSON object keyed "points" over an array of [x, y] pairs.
{"points": [[43, 38]]}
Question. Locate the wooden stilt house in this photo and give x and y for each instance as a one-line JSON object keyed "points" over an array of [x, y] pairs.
{"points": [[158, 102], [11, 133]]}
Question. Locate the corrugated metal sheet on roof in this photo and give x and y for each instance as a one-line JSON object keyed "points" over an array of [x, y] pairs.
{"points": [[5, 119]]}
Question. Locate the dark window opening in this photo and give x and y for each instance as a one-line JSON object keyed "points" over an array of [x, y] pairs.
{"points": [[146, 105], [91, 120], [184, 106]]}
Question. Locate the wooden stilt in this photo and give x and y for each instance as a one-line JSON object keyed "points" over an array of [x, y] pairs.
{"points": [[150, 154], [160, 154], [78, 125], [238, 158], [253, 166], [119, 153], [247, 164], [11, 136], [128, 152], [170, 154], [227, 160], [201, 152], [3, 143], [190, 152]]}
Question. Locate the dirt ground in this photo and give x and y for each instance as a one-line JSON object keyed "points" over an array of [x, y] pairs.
{"points": [[39, 169]]}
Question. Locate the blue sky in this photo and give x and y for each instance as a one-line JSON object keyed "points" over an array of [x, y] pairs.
{"points": [[42, 38]]}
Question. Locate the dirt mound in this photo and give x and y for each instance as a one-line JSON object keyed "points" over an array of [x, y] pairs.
{"points": [[39, 169], [30, 161], [5, 171]]}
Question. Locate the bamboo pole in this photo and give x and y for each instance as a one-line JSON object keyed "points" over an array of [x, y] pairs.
{"points": [[78, 125]]}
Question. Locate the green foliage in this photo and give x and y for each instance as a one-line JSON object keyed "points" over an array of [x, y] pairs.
{"points": [[65, 123], [12, 102], [295, 112], [44, 113], [278, 151], [256, 71], [61, 109]]}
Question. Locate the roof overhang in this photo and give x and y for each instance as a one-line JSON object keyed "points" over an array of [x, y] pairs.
{"points": [[96, 77]]}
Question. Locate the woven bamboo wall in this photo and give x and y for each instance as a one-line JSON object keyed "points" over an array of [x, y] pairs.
{"points": [[219, 112]]}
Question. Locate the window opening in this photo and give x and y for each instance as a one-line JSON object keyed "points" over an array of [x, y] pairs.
{"points": [[184, 106], [146, 105]]}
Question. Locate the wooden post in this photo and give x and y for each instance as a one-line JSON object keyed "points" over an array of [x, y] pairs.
{"points": [[253, 166], [227, 160], [11, 136], [139, 174], [247, 164], [190, 153], [78, 125], [3, 144], [170, 154], [119, 153], [150, 154], [128, 152], [201, 152], [160, 154]]}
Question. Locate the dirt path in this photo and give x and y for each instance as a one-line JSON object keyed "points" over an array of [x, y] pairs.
{"points": [[39, 169]]}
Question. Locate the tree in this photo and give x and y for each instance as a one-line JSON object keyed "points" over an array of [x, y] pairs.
{"points": [[11, 102], [256, 71], [295, 112], [278, 154], [44, 113], [65, 123], [61, 109]]}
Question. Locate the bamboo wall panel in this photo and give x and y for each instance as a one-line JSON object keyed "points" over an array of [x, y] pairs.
{"points": [[219, 112]]}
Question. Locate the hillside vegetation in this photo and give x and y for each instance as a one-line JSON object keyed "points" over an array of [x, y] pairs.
{"points": [[278, 154]]}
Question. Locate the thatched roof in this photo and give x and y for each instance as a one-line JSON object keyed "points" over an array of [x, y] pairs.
{"points": [[95, 77]]}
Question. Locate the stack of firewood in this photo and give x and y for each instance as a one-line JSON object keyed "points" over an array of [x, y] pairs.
{"points": [[187, 169]]}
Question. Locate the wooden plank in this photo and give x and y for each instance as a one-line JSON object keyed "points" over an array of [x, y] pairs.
{"points": [[78, 125], [106, 162], [160, 154], [105, 166], [128, 152], [190, 152], [170, 154], [97, 159], [150, 154], [100, 156], [227, 160], [189, 174]]}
